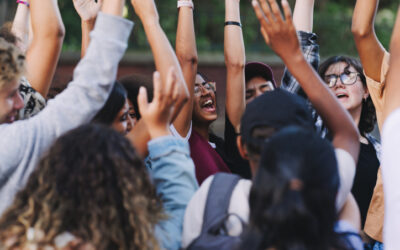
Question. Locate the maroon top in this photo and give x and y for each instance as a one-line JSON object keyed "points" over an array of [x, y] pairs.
{"points": [[206, 160]]}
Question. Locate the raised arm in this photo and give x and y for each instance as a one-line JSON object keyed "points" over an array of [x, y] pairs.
{"points": [[281, 36], [163, 53], [369, 48], [172, 167], [20, 26], [165, 58], [390, 143], [186, 52], [234, 61], [392, 92], [44, 51], [87, 10], [303, 15], [303, 21]]}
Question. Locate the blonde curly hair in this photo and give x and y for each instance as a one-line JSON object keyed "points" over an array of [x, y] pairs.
{"points": [[12, 60], [92, 185]]}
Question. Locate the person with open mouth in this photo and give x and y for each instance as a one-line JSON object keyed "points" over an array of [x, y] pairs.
{"points": [[345, 78]]}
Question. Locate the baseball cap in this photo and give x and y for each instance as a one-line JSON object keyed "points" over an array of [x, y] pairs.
{"points": [[253, 69], [274, 109]]}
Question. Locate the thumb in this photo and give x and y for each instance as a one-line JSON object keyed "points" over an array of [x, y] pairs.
{"points": [[142, 100]]}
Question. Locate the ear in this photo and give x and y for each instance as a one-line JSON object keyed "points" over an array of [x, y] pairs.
{"points": [[366, 93], [242, 148]]}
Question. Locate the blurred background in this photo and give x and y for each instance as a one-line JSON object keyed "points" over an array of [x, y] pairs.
{"points": [[332, 23]]}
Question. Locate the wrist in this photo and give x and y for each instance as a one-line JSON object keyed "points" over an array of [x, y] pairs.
{"points": [[158, 132], [293, 58], [24, 2]]}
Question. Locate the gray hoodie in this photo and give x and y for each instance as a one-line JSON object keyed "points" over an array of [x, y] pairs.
{"points": [[23, 142]]}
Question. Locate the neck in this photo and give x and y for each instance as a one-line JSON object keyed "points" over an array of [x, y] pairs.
{"points": [[202, 129], [356, 114]]}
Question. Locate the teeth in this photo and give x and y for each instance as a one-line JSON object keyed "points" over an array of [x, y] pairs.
{"points": [[208, 102]]}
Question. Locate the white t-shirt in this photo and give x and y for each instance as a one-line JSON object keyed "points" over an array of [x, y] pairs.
{"points": [[239, 203], [391, 177]]}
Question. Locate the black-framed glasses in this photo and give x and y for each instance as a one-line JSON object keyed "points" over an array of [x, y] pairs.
{"points": [[347, 78], [209, 86]]}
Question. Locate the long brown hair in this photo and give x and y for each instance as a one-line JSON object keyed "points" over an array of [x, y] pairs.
{"points": [[92, 184]]}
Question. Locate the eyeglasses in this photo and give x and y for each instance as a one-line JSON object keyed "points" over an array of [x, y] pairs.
{"points": [[209, 86], [347, 78]]}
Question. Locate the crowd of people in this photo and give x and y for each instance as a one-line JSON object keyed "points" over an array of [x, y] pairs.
{"points": [[134, 164]]}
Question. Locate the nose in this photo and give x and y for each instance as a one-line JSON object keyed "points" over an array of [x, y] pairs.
{"points": [[339, 83], [204, 91], [18, 101], [129, 125]]}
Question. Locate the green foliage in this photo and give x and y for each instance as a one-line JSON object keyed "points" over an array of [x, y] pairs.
{"points": [[332, 23]]}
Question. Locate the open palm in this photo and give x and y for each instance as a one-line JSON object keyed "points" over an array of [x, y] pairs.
{"points": [[87, 9]]}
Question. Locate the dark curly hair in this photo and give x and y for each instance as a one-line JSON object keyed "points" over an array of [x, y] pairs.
{"points": [[368, 113], [91, 184]]}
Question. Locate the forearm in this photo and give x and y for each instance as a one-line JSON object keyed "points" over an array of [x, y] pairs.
{"points": [[235, 61], [20, 26], [370, 50], [48, 36], [164, 55], [186, 52], [87, 27], [392, 92], [303, 15], [174, 178], [338, 120]]}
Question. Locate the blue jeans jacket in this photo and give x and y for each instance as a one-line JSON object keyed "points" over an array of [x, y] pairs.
{"points": [[172, 172]]}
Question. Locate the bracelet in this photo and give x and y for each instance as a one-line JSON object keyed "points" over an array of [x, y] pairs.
{"points": [[182, 3], [233, 23], [23, 2]]}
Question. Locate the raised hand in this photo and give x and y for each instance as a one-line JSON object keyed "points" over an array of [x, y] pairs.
{"points": [[158, 114], [87, 9], [279, 34]]}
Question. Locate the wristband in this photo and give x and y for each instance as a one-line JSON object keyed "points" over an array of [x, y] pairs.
{"points": [[185, 4], [23, 2], [233, 23]]}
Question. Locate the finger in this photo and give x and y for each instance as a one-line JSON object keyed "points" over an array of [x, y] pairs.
{"points": [[142, 100], [171, 80], [157, 85], [260, 14], [100, 2], [287, 12], [267, 11], [265, 35], [276, 11], [176, 89]]}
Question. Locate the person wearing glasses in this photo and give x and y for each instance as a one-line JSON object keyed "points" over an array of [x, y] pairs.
{"points": [[345, 78]]}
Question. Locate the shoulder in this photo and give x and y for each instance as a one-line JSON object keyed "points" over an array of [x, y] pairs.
{"points": [[350, 234]]}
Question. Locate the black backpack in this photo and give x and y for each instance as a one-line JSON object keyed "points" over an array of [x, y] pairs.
{"points": [[214, 233]]}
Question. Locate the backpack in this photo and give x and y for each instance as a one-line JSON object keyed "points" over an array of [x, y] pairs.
{"points": [[214, 234]]}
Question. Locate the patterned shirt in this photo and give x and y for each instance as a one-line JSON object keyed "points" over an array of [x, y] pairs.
{"points": [[34, 102], [310, 48]]}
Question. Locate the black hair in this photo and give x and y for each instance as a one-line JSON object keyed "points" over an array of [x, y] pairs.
{"points": [[132, 84], [368, 113], [113, 105], [292, 199], [203, 76]]}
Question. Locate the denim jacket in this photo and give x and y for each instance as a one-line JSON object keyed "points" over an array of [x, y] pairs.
{"points": [[172, 172]]}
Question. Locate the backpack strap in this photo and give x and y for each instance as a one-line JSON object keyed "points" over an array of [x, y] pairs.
{"points": [[218, 198]]}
